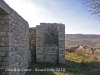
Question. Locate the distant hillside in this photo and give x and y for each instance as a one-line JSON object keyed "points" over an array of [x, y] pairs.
{"points": [[90, 40]]}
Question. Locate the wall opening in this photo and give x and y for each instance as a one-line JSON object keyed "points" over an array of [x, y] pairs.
{"points": [[32, 43]]}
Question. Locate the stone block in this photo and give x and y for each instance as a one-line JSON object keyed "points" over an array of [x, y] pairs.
{"points": [[62, 38], [62, 61], [61, 51], [4, 17], [61, 45], [39, 40], [1, 21], [39, 59], [61, 27], [4, 63], [5, 39], [3, 33], [5, 28], [61, 32], [0, 16], [61, 48], [39, 52], [2, 67], [6, 21], [0, 58], [5, 49], [62, 35], [61, 56], [3, 44], [1, 28], [39, 36], [6, 59], [61, 41], [39, 56], [2, 53]]}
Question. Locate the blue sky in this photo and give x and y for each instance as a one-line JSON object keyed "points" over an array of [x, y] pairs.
{"points": [[72, 13]]}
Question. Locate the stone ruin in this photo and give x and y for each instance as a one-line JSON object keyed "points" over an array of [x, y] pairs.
{"points": [[18, 43], [32, 43], [14, 39], [80, 49], [47, 42], [95, 53]]}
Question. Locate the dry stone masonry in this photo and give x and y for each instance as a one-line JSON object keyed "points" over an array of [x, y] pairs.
{"points": [[14, 47], [95, 53], [19, 44], [80, 49], [47, 43], [50, 43], [32, 43]]}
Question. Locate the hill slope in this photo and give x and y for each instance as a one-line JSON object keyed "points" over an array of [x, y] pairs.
{"points": [[90, 40]]}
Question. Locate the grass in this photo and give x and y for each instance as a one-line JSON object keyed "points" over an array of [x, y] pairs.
{"points": [[74, 65], [78, 58]]}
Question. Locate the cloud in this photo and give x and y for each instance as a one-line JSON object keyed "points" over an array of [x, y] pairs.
{"points": [[69, 12]]}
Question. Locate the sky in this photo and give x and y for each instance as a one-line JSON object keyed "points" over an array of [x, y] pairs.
{"points": [[72, 13]]}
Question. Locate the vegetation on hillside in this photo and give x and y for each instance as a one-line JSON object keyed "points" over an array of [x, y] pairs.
{"points": [[73, 40]]}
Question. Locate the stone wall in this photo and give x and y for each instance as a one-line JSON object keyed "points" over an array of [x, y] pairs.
{"points": [[80, 49], [50, 43], [47, 42], [32, 43], [14, 41], [94, 53]]}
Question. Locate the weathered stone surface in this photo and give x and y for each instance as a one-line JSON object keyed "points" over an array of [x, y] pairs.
{"points": [[96, 54], [1, 21], [83, 50], [4, 63], [80, 49], [2, 67], [0, 58], [5, 49], [3, 33], [48, 41], [2, 53], [14, 40], [32, 43]]}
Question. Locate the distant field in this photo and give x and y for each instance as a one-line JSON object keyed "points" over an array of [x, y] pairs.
{"points": [[80, 39]]}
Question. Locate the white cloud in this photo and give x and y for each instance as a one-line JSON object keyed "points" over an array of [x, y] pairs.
{"points": [[73, 16]]}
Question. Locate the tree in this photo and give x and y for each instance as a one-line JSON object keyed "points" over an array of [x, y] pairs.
{"points": [[94, 6]]}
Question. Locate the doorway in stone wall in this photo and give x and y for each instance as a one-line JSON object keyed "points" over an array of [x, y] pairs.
{"points": [[32, 43]]}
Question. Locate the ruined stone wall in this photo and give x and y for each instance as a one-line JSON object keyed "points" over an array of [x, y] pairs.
{"points": [[32, 43], [14, 41], [61, 34], [47, 42], [50, 43]]}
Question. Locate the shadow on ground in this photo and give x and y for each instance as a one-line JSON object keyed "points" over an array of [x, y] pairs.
{"points": [[69, 68], [40, 69]]}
